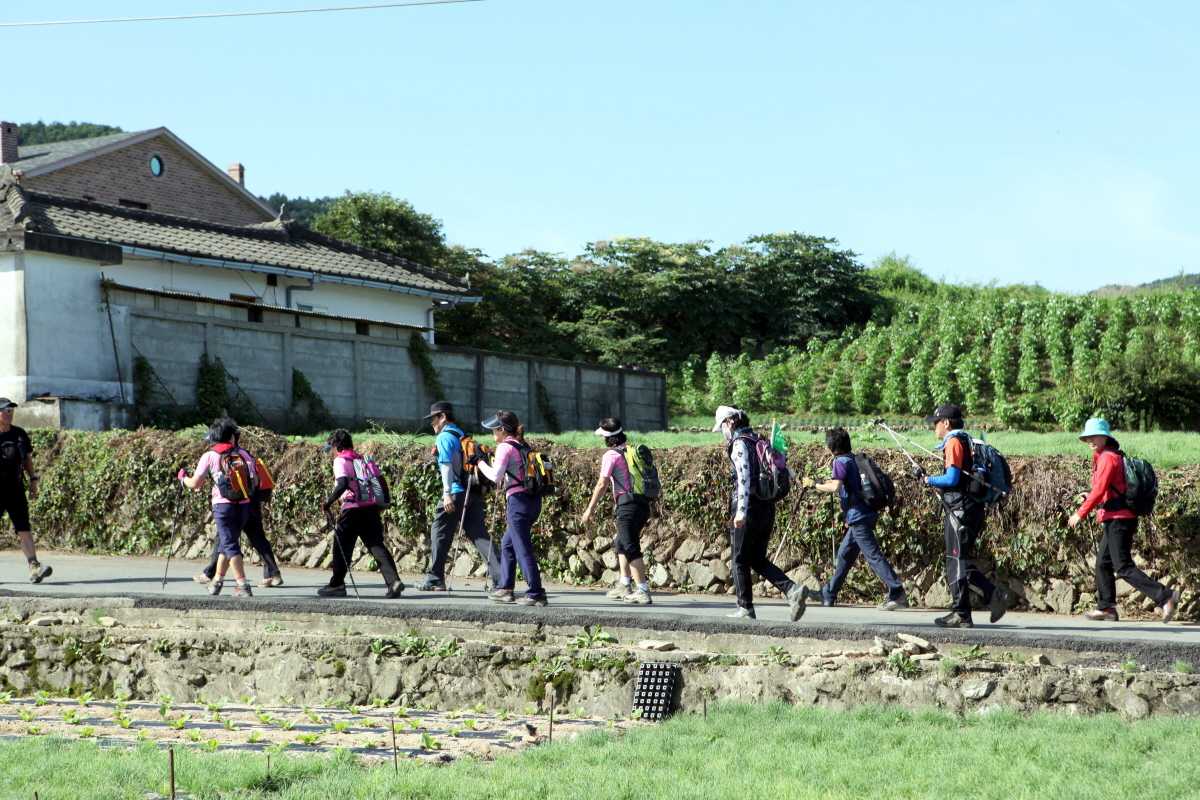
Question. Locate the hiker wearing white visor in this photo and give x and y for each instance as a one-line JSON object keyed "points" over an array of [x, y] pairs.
{"points": [[632, 510]]}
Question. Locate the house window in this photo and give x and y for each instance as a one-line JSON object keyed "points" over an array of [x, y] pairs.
{"points": [[156, 166], [272, 280], [134, 204], [362, 328], [254, 315]]}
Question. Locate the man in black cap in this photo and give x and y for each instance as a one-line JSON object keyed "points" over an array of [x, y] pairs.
{"points": [[964, 521], [461, 504], [16, 461]]}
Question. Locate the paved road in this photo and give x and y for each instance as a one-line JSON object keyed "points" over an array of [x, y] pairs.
{"points": [[141, 578]]}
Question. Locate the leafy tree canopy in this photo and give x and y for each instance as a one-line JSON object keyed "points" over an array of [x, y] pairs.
{"points": [[301, 209], [385, 223], [43, 133]]}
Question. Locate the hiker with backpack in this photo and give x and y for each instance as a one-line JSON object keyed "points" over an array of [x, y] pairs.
{"points": [[253, 530], [363, 495], [633, 478], [516, 469], [965, 516], [16, 462], [234, 482], [863, 489], [461, 506], [1119, 502], [760, 479]]}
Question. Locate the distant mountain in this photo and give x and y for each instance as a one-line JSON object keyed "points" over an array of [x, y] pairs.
{"points": [[46, 132], [1177, 283]]}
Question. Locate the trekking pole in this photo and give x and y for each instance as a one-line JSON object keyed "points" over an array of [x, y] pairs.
{"points": [[462, 521], [492, 536], [788, 530], [342, 550], [174, 531], [897, 436]]}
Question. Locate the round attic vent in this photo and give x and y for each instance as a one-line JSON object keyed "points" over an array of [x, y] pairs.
{"points": [[156, 166]]}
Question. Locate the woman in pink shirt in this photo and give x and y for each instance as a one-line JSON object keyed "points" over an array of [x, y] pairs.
{"points": [[631, 515], [508, 469], [1120, 524], [230, 515]]}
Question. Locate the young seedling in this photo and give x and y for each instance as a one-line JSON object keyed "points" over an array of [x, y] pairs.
{"points": [[287, 724], [72, 717], [429, 743], [41, 698], [378, 702], [340, 727], [215, 707], [453, 732], [5, 697], [1130, 665], [503, 714], [371, 744], [210, 746], [26, 715], [123, 701], [316, 718], [972, 652], [228, 725], [86, 732], [34, 730], [195, 734], [470, 724], [274, 627], [579, 713], [125, 722], [413, 723], [178, 724], [265, 719], [310, 739], [369, 723], [141, 735], [1183, 667], [479, 708], [247, 700], [287, 701], [637, 713], [530, 709], [401, 712], [454, 714], [254, 736], [276, 749]]}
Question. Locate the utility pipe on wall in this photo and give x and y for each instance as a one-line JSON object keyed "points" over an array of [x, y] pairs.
{"points": [[312, 284]]}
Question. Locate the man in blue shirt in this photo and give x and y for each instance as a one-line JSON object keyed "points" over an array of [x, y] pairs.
{"points": [[450, 511], [860, 521]]}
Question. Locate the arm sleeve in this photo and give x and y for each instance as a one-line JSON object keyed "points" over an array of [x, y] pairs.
{"points": [[948, 479], [447, 470], [339, 489], [1103, 476], [494, 471], [741, 471]]}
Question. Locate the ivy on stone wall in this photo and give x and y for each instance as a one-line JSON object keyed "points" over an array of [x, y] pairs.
{"points": [[309, 405], [545, 405], [418, 351]]}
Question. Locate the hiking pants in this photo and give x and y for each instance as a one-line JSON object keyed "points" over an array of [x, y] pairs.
{"points": [[517, 545], [963, 524], [860, 538], [257, 537], [230, 519], [1115, 560], [749, 545], [474, 525], [631, 519], [365, 525], [14, 501]]}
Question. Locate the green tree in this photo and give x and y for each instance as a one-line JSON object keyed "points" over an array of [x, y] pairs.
{"points": [[44, 133], [300, 209], [385, 223]]}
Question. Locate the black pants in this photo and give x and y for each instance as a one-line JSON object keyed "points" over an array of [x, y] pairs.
{"points": [[365, 524], [1115, 561], [258, 540], [631, 519], [445, 526], [14, 501], [964, 522], [749, 545]]}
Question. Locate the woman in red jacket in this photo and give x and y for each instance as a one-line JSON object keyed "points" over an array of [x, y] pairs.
{"points": [[1120, 524]]}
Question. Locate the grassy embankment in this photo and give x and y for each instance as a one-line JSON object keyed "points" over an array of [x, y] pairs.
{"points": [[738, 751]]}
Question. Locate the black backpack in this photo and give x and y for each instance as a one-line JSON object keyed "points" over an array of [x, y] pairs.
{"points": [[1141, 487], [877, 490]]}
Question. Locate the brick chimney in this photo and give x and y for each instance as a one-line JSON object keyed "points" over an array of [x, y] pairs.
{"points": [[8, 142], [237, 172]]}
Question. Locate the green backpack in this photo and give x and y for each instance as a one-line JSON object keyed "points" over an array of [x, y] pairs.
{"points": [[643, 475]]}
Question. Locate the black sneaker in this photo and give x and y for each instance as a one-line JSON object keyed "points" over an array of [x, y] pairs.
{"points": [[214, 587], [394, 590], [38, 571], [332, 591], [501, 596], [954, 620], [999, 604], [526, 600], [430, 585]]}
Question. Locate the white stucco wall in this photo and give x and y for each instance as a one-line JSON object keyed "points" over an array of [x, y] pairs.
{"points": [[12, 326], [219, 282]]}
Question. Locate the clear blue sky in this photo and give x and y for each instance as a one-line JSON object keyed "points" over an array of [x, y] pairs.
{"points": [[1050, 142]]}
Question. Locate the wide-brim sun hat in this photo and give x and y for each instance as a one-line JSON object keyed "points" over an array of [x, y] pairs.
{"points": [[1095, 427], [724, 413]]}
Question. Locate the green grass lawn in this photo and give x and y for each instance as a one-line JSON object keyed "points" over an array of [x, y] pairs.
{"points": [[738, 752]]}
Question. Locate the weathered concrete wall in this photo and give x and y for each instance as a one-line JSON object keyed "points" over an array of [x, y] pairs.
{"points": [[64, 656]]}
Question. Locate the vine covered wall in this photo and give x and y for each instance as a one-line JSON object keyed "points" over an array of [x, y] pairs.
{"points": [[115, 492]]}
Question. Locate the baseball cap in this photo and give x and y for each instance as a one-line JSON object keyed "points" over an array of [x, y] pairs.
{"points": [[724, 413], [945, 411], [5, 404], [440, 407]]}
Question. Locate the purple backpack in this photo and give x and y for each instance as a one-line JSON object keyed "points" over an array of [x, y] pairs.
{"points": [[769, 476]]}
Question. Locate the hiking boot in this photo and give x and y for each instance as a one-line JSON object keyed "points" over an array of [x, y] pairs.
{"points": [[501, 596], [430, 585], [893, 605], [999, 604], [201, 578], [1168, 608], [271, 582], [638, 597], [796, 598], [332, 591], [620, 591], [526, 600], [243, 590], [742, 613], [817, 597], [1102, 615], [38, 571], [394, 589], [954, 620], [214, 587]]}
